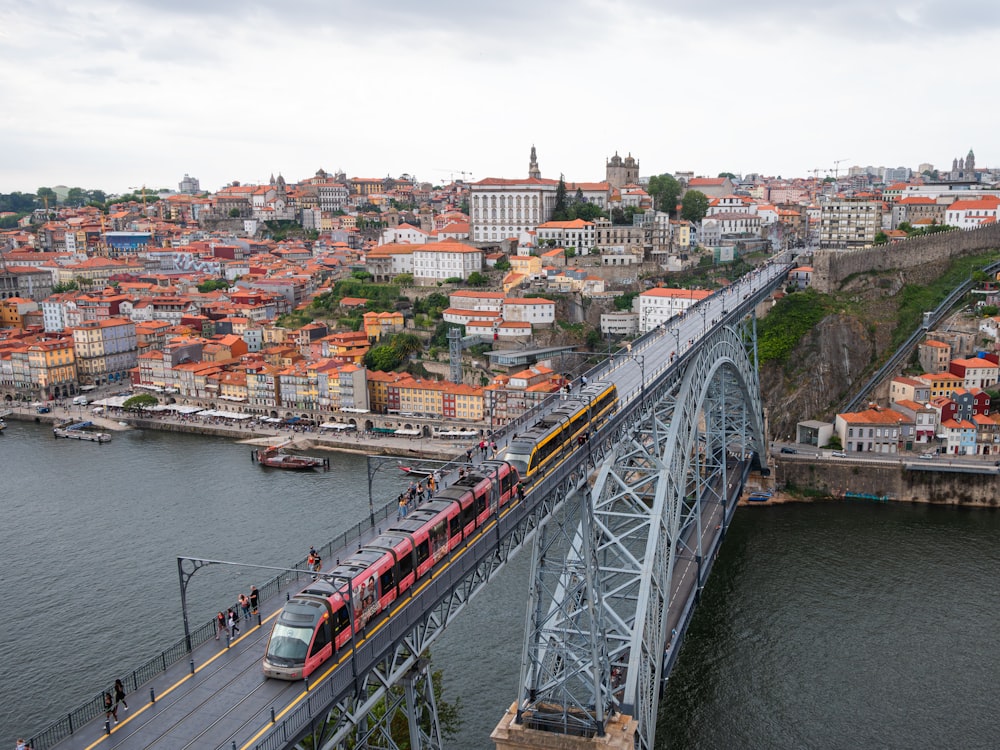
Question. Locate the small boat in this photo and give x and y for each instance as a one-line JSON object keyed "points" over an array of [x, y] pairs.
{"points": [[414, 471], [80, 431], [3, 425], [275, 457]]}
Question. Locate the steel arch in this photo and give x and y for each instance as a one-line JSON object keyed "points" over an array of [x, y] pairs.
{"points": [[605, 582]]}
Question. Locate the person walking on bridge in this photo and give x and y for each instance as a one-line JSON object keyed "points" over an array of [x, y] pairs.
{"points": [[254, 600], [110, 709], [120, 695]]}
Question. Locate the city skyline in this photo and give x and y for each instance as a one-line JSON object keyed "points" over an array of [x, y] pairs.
{"points": [[115, 97]]}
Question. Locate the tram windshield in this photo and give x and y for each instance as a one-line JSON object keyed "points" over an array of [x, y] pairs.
{"points": [[289, 645], [518, 460]]}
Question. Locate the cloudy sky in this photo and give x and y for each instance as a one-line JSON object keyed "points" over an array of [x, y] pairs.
{"points": [[113, 95]]}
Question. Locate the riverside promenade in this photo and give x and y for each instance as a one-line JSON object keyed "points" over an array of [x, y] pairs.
{"points": [[252, 432]]}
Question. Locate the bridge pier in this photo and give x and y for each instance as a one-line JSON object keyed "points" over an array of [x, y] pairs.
{"points": [[510, 734]]}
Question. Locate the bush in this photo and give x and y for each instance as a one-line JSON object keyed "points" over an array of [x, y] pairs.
{"points": [[787, 322]]}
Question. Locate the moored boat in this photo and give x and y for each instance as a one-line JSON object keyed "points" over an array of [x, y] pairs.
{"points": [[274, 457], [80, 431]]}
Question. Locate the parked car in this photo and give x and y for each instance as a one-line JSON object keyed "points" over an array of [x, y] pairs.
{"points": [[927, 455], [42, 409], [788, 450], [839, 454]]}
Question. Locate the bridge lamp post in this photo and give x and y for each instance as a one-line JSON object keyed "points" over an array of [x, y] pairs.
{"points": [[196, 564]]}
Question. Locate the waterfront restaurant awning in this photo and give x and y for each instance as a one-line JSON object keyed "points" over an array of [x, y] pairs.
{"points": [[336, 426], [406, 432], [223, 414]]}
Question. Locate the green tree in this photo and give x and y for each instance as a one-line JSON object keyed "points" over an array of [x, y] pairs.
{"points": [[383, 358], [586, 211], [140, 401], [76, 197], [694, 206], [361, 275], [559, 212], [881, 238], [234, 213], [403, 279], [988, 311], [68, 286], [477, 279], [47, 197], [665, 191], [440, 337], [407, 344], [730, 175], [211, 285], [10, 222], [502, 265]]}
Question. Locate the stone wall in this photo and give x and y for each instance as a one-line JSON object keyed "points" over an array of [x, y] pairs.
{"points": [[831, 267], [837, 476]]}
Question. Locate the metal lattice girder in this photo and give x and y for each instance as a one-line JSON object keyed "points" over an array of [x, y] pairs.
{"points": [[668, 469]]}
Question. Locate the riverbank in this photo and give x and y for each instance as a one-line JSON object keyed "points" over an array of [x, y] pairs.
{"points": [[298, 438]]}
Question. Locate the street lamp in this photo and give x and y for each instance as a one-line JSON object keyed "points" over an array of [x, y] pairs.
{"points": [[197, 564]]}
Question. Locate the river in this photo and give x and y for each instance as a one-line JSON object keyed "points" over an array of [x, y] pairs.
{"points": [[826, 625]]}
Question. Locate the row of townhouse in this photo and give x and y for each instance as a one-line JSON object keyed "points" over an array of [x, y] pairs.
{"points": [[951, 407], [38, 365]]}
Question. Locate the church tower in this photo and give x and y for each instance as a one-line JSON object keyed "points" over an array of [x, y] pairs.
{"points": [[620, 172], [970, 162], [533, 171]]}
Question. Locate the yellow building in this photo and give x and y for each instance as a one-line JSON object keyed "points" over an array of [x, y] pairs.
{"points": [[525, 265], [382, 324], [13, 310], [52, 365]]}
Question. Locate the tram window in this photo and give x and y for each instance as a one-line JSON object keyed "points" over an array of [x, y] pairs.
{"points": [[340, 623], [422, 552], [456, 526], [480, 503], [467, 515], [322, 638], [405, 565], [388, 579], [439, 535]]}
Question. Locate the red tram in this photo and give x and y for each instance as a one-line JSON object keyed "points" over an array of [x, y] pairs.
{"points": [[320, 620]]}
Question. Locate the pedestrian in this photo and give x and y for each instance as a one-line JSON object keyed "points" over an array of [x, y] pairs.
{"points": [[431, 483], [583, 380], [120, 695], [110, 709], [254, 600], [493, 447], [220, 624], [245, 606], [234, 624], [468, 455], [317, 563]]}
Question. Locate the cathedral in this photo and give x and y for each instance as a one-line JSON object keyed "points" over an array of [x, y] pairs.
{"points": [[620, 172], [963, 170]]}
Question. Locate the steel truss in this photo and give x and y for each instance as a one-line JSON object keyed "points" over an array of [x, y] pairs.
{"points": [[605, 573], [351, 708]]}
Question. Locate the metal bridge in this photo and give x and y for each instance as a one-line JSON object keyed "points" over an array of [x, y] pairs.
{"points": [[619, 562]]}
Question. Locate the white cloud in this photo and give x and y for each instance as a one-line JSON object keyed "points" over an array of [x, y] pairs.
{"points": [[112, 95]]}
